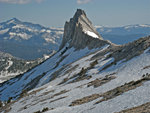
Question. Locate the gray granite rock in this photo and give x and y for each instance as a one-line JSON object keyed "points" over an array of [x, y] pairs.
{"points": [[75, 33]]}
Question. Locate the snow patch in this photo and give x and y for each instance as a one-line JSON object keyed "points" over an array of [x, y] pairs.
{"points": [[43, 30], [4, 31], [20, 26], [22, 35], [92, 34], [48, 31], [10, 63], [144, 25], [50, 40], [147, 50]]}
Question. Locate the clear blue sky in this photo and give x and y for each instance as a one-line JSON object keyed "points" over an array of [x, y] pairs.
{"points": [[54, 13]]}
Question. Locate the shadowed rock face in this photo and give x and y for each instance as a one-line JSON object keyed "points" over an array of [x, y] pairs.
{"points": [[75, 33]]}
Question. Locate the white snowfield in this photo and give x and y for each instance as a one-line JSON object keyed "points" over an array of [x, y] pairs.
{"points": [[92, 34], [22, 35], [48, 67], [20, 26], [49, 94]]}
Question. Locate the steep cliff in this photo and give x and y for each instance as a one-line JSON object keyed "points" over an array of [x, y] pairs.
{"points": [[80, 33]]}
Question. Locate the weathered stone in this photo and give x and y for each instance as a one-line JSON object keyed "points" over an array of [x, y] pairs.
{"points": [[75, 33]]}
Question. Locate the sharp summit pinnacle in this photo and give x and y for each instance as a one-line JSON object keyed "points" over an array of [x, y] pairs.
{"points": [[80, 33]]}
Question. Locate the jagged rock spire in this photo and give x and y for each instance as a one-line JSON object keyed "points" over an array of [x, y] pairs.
{"points": [[78, 32], [78, 13]]}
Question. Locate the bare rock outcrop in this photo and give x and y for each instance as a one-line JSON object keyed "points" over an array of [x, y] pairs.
{"points": [[80, 33]]}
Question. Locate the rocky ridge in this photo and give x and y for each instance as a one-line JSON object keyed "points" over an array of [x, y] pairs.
{"points": [[80, 33]]}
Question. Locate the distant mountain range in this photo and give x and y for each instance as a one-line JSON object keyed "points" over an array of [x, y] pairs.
{"points": [[125, 34], [28, 41], [24, 45]]}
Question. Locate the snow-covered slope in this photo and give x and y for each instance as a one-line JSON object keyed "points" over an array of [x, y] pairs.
{"points": [[88, 85], [103, 79], [125, 34], [28, 41]]}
